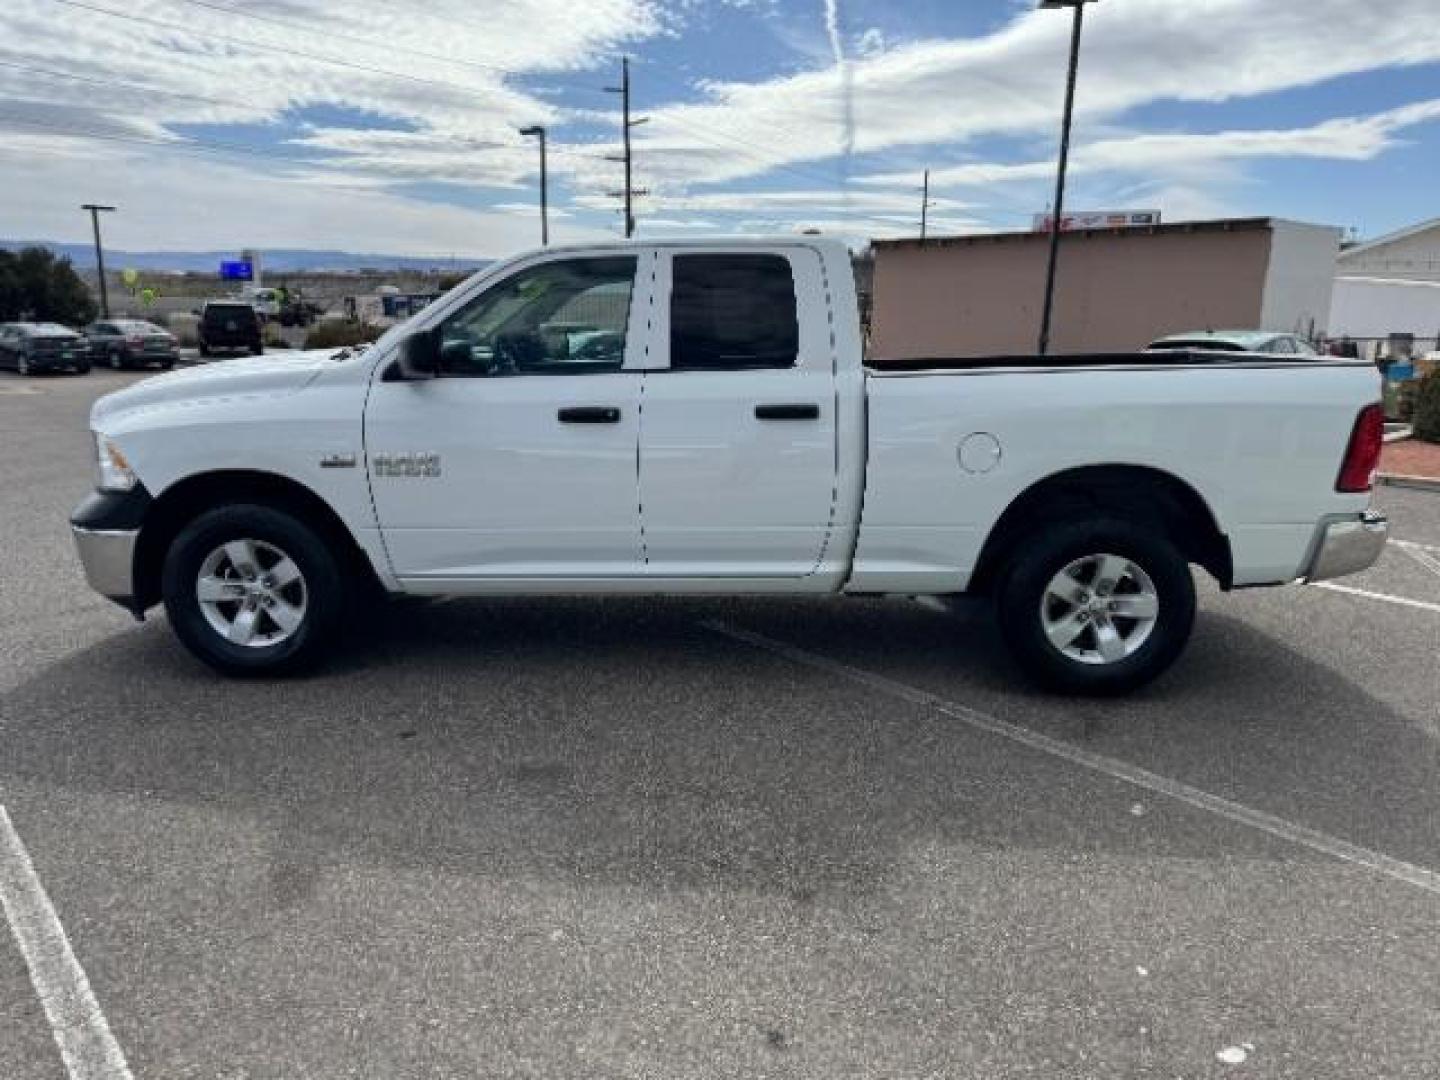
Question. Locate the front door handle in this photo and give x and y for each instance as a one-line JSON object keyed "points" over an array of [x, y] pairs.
{"points": [[589, 414], [787, 412]]}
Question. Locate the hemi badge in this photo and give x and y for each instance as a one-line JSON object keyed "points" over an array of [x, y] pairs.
{"points": [[338, 461]]}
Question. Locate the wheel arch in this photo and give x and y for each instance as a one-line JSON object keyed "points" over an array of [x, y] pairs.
{"points": [[186, 499], [1136, 492]]}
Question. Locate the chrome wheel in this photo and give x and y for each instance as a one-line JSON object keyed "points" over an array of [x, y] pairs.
{"points": [[1101, 609], [251, 593]]}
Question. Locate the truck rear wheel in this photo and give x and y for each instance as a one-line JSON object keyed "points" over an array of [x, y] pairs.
{"points": [[252, 590], [1097, 607]]}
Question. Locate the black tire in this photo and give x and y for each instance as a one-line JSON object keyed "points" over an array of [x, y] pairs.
{"points": [[257, 350], [326, 597], [204, 349], [117, 362], [82, 368], [1040, 557]]}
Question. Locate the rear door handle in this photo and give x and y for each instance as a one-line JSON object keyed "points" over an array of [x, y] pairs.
{"points": [[787, 412], [589, 414]]}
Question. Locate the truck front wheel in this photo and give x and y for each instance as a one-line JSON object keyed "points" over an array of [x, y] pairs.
{"points": [[253, 590], [1097, 607]]}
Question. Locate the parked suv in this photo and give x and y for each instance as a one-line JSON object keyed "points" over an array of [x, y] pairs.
{"points": [[33, 347], [124, 343], [229, 325]]}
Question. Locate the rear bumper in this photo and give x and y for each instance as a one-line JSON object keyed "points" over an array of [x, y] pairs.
{"points": [[1347, 545]]}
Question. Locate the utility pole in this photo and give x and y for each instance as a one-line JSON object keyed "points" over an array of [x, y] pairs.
{"points": [[539, 129], [925, 206], [626, 124], [95, 211], [1057, 220]]}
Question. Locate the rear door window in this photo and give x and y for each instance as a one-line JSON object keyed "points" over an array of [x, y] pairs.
{"points": [[732, 312]]}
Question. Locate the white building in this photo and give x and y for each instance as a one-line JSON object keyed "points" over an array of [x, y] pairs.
{"points": [[1411, 254], [1390, 286], [1369, 308]]}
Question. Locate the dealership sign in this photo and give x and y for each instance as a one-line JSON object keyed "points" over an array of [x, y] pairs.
{"points": [[237, 270], [1099, 219]]}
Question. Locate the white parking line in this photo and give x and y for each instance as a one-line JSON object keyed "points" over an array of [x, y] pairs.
{"points": [[87, 1047], [1404, 601], [1421, 553], [1334, 847]]}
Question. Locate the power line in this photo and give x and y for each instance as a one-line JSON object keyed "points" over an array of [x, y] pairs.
{"points": [[211, 146], [385, 46], [757, 153], [127, 85], [279, 49]]}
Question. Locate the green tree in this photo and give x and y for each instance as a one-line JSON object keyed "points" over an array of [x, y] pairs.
{"points": [[35, 284]]}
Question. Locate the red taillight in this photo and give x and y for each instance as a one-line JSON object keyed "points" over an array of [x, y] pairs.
{"points": [[1362, 456]]}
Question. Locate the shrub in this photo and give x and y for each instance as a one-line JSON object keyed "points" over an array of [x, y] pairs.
{"points": [[335, 333], [1427, 408]]}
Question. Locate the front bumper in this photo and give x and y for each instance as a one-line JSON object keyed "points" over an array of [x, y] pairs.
{"points": [[108, 556], [106, 527], [57, 362], [1346, 545]]}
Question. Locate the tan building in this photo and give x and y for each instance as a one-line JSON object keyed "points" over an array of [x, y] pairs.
{"points": [[1117, 290]]}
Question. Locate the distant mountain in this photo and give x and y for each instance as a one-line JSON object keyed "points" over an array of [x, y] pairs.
{"points": [[274, 260]]}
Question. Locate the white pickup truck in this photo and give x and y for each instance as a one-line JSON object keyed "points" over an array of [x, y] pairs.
{"points": [[698, 418]]}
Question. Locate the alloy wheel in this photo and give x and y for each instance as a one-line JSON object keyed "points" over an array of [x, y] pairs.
{"points": [[1100, 609], [251, 593]]}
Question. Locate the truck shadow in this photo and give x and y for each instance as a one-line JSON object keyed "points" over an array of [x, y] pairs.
{"points": [[621, 741]]}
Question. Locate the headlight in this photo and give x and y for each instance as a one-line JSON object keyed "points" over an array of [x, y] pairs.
{"points": [[115, 474]]}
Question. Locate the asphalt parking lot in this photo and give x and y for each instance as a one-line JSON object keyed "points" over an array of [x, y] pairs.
{"points": [[617, 838]]}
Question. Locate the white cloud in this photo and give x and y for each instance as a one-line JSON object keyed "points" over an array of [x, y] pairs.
{"points": [[1010, 82], [451, 84], [181, 201], [1342, 139], [444, 69]]}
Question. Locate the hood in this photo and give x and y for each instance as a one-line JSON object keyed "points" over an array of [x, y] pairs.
{"points": [[271, 375]]}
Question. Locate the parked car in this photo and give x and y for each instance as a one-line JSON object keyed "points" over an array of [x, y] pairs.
{"points": [[31, 348], [487, 447], [126, 343], [229, 326], [1268, 342]]}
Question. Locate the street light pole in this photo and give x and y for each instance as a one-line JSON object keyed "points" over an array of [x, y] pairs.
{"points": [[925, 207], [539, 130], [95, 211], [1058, 211]]}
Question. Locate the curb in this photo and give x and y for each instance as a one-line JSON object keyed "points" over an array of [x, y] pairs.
{"points": [[1414, 483]]}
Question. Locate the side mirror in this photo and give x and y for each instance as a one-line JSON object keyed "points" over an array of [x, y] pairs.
{"points": [[419, 355]]}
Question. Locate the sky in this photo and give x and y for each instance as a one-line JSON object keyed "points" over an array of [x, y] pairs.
{"points": [[392, 126]]}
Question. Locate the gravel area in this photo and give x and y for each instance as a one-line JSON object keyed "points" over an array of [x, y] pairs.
{"points": [[1411, 457]]}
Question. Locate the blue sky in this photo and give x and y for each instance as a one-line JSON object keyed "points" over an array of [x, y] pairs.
{"points": [[392, 127]]}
